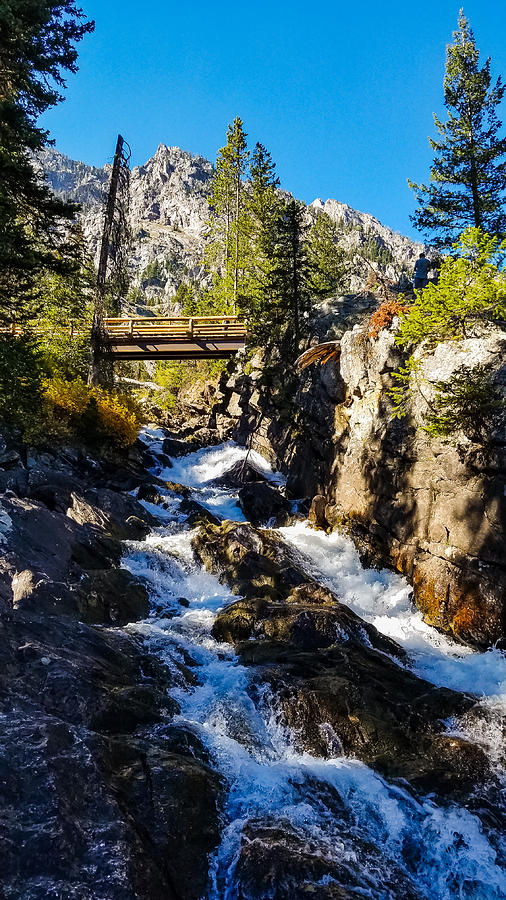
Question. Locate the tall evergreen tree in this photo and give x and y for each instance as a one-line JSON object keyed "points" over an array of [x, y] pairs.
{"points": [[468, 174], [37, 45], [229, 223], [291, 294], [263, 208], [328, 266]]}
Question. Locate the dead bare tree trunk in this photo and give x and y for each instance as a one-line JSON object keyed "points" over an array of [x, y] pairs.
{"points": [[98, 338]]}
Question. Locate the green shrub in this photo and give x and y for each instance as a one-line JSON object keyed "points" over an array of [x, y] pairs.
{"points": [[22, 369], [467, 403], [471, 290]]}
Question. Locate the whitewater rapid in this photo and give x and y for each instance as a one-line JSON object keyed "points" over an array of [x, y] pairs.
{"points": [[441, 850]]}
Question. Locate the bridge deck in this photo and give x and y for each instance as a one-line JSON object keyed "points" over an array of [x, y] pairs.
{"points": [[175, 337], [169, 337]]}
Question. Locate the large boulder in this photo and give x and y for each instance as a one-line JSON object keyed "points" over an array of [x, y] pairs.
{"points": [[342, 686], [89, 766], [119, 514], [261, 504], [242, 472], [276, 859]]}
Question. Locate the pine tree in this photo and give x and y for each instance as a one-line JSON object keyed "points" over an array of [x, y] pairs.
{"points": [[229, 225], [291, 293], [328, 265], [468, 174], [263, 207], [37, 45]]}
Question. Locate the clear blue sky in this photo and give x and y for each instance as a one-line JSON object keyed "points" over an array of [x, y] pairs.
{"points": [[341, 93]]}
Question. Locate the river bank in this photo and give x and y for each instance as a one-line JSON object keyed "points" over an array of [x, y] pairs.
{"points": [[270, 719]]}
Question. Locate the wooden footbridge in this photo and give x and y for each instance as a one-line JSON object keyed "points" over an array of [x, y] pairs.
{"points": [[174, 337], [157, 338]]}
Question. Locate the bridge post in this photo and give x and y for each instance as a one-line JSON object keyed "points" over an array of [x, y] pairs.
{"points": [[190, 328]]}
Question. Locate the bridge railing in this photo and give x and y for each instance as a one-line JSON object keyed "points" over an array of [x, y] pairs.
{"points": [[123, 327], [184, 327], [72, 329]]}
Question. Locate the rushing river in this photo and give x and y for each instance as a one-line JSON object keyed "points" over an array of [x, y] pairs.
{"points": [[392, 838]]}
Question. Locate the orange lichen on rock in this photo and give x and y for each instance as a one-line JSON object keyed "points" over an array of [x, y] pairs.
{"points": [[465, 619]]}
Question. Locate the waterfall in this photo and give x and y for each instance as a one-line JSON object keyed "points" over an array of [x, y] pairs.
{"points": [[361, 835]]}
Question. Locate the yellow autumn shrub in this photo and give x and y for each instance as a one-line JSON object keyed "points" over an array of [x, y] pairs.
{"points": [[71, 397], [70, 400], [121, 423]]}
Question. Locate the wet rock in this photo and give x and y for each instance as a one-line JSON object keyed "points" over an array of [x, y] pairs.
{"points": [[174, 447], [150, 493], [174, 802], [242, 472], [113, 597], [277, 860], [337, 680], [280, 599], [119, 514], [196, 514], [91, 549], [161, 461], [99, 679], [178, 488], [309, 618], [247, 559], [360, 700], [261, 504]]}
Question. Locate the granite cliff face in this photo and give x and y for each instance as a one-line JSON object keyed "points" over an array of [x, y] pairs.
{"points": [[435, 510], [168, 215]]}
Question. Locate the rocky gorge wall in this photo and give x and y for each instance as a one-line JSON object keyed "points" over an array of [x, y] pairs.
{"points": [[434, 510]]}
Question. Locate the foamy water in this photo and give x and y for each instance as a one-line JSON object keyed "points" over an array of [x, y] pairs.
{"points": [[437, 852]]}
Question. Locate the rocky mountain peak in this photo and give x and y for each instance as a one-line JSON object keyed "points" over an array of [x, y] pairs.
{"points": [[169, 212]]}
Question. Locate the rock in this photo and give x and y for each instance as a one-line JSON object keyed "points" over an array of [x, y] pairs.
{"points": [[434, 510], [242, 472], [177, 488], [317, 511], [9, 458], [196, 514], [247, 560], [276, 860], [76, 699], [88, 706], [150, 493], [92, 550], [174, 447], [119, 514], [310, 617], [337, 680], [351, 697], [263, 504], [175, 804], [113, 597]]}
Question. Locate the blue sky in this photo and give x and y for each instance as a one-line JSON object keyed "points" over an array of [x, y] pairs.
{"points": [[342, 94]]}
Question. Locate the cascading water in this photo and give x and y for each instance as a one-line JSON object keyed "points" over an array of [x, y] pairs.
{"points": [[362, 836]]}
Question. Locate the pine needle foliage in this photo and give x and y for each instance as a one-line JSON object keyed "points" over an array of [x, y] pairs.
{"points": [[467, 403], [471, 290], [37, 46], [468, 174], [470, 293], [228, 224]]}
